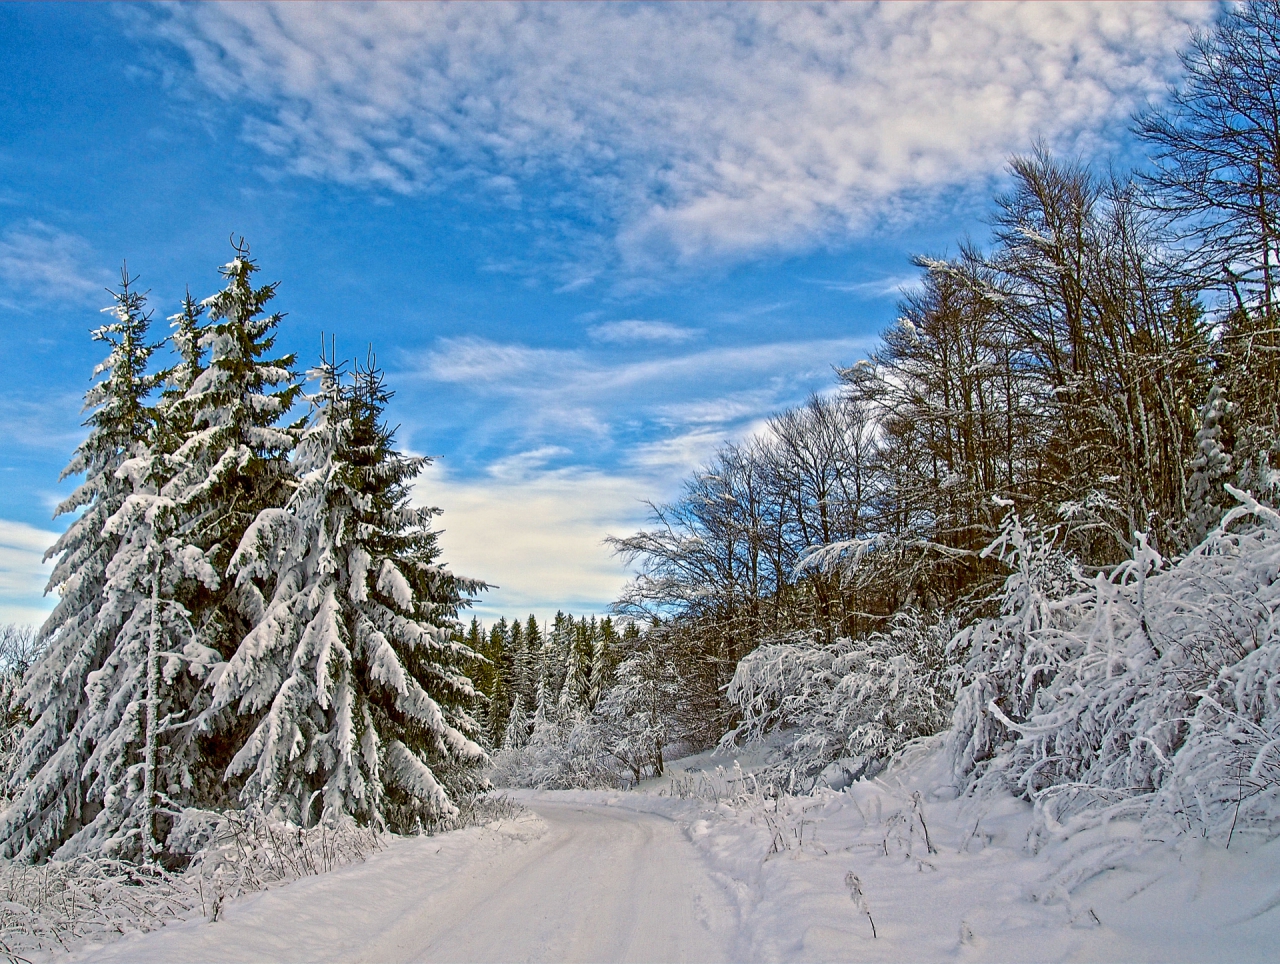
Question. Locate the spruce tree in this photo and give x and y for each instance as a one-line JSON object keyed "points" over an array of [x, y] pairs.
{"points": [[604, 662], [230, 460], [186, 340], [136, 708], [78, 635], [352, 674], [577, 667]]}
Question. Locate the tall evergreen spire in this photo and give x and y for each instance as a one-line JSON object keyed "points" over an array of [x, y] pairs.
{"points": [[81, 631]]}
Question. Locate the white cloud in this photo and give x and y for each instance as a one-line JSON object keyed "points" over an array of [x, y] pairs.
{"points": [[698, 130], [39, 263], [590, 438], [538, 536], [635, 330], [22, 573], [676, 457], [893, 286], [559, 391]]}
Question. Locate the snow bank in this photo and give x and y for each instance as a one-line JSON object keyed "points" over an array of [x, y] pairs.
{"points": [[900, 868], [90, 901]]}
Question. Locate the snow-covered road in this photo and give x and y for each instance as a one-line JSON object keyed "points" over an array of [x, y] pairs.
{"points": [[657, 876], [571, 881]]}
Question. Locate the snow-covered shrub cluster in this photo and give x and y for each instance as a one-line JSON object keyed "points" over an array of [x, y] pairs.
{"points": [[243, 851], [1152, 690], [559, 755], [60, 904], [854, 698]]}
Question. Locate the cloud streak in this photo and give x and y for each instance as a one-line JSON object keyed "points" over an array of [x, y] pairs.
{"points": [[682, 131], [633, 331], [22, 573], [543, 396], [40, 263]]}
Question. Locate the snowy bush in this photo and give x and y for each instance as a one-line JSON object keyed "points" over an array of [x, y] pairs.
{"points": [[62, 903], [1150, 692], [559, 756], [861, 697], [1007, 658]]}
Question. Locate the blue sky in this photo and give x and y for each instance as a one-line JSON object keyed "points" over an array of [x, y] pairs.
{"points": [[587, 242]]}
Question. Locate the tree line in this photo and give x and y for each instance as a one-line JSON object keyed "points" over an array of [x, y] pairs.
{"points": [[527, 672], [1104, 366]]}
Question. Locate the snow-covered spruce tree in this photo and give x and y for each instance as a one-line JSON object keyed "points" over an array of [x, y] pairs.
{"points": [[53, 803], [186, 340], [137, 703], [351, 676], [1211, 467], [228, 457]]}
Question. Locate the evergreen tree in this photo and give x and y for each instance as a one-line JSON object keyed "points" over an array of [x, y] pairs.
{"points": [[1212, 465], [228, 461], [534, 644], [639, 711], [516, 734], [80, 632], [231, 460], [186, 338], [133, 704], [604, 662], [352, 674]]}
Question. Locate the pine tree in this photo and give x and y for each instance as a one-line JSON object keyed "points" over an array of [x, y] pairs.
{"points": [[80, 632], [132, 702], [231, 459], [352, 673], [639, 711]]}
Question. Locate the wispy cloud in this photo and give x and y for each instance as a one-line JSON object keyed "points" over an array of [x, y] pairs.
{"points": [[576, 391], [684, 131], [22, 573], [654, 417], [894, 286], [40, 263], [631, 331]]}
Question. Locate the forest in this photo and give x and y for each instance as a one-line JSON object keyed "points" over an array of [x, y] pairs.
{"points": [[1037, 524]]}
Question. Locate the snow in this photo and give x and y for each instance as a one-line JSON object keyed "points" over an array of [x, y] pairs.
{"points": [[567, 880], [980, 892], [696, 866]]}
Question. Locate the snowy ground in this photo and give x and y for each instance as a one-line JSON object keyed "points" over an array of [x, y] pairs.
{"points": [[649, 875]]}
